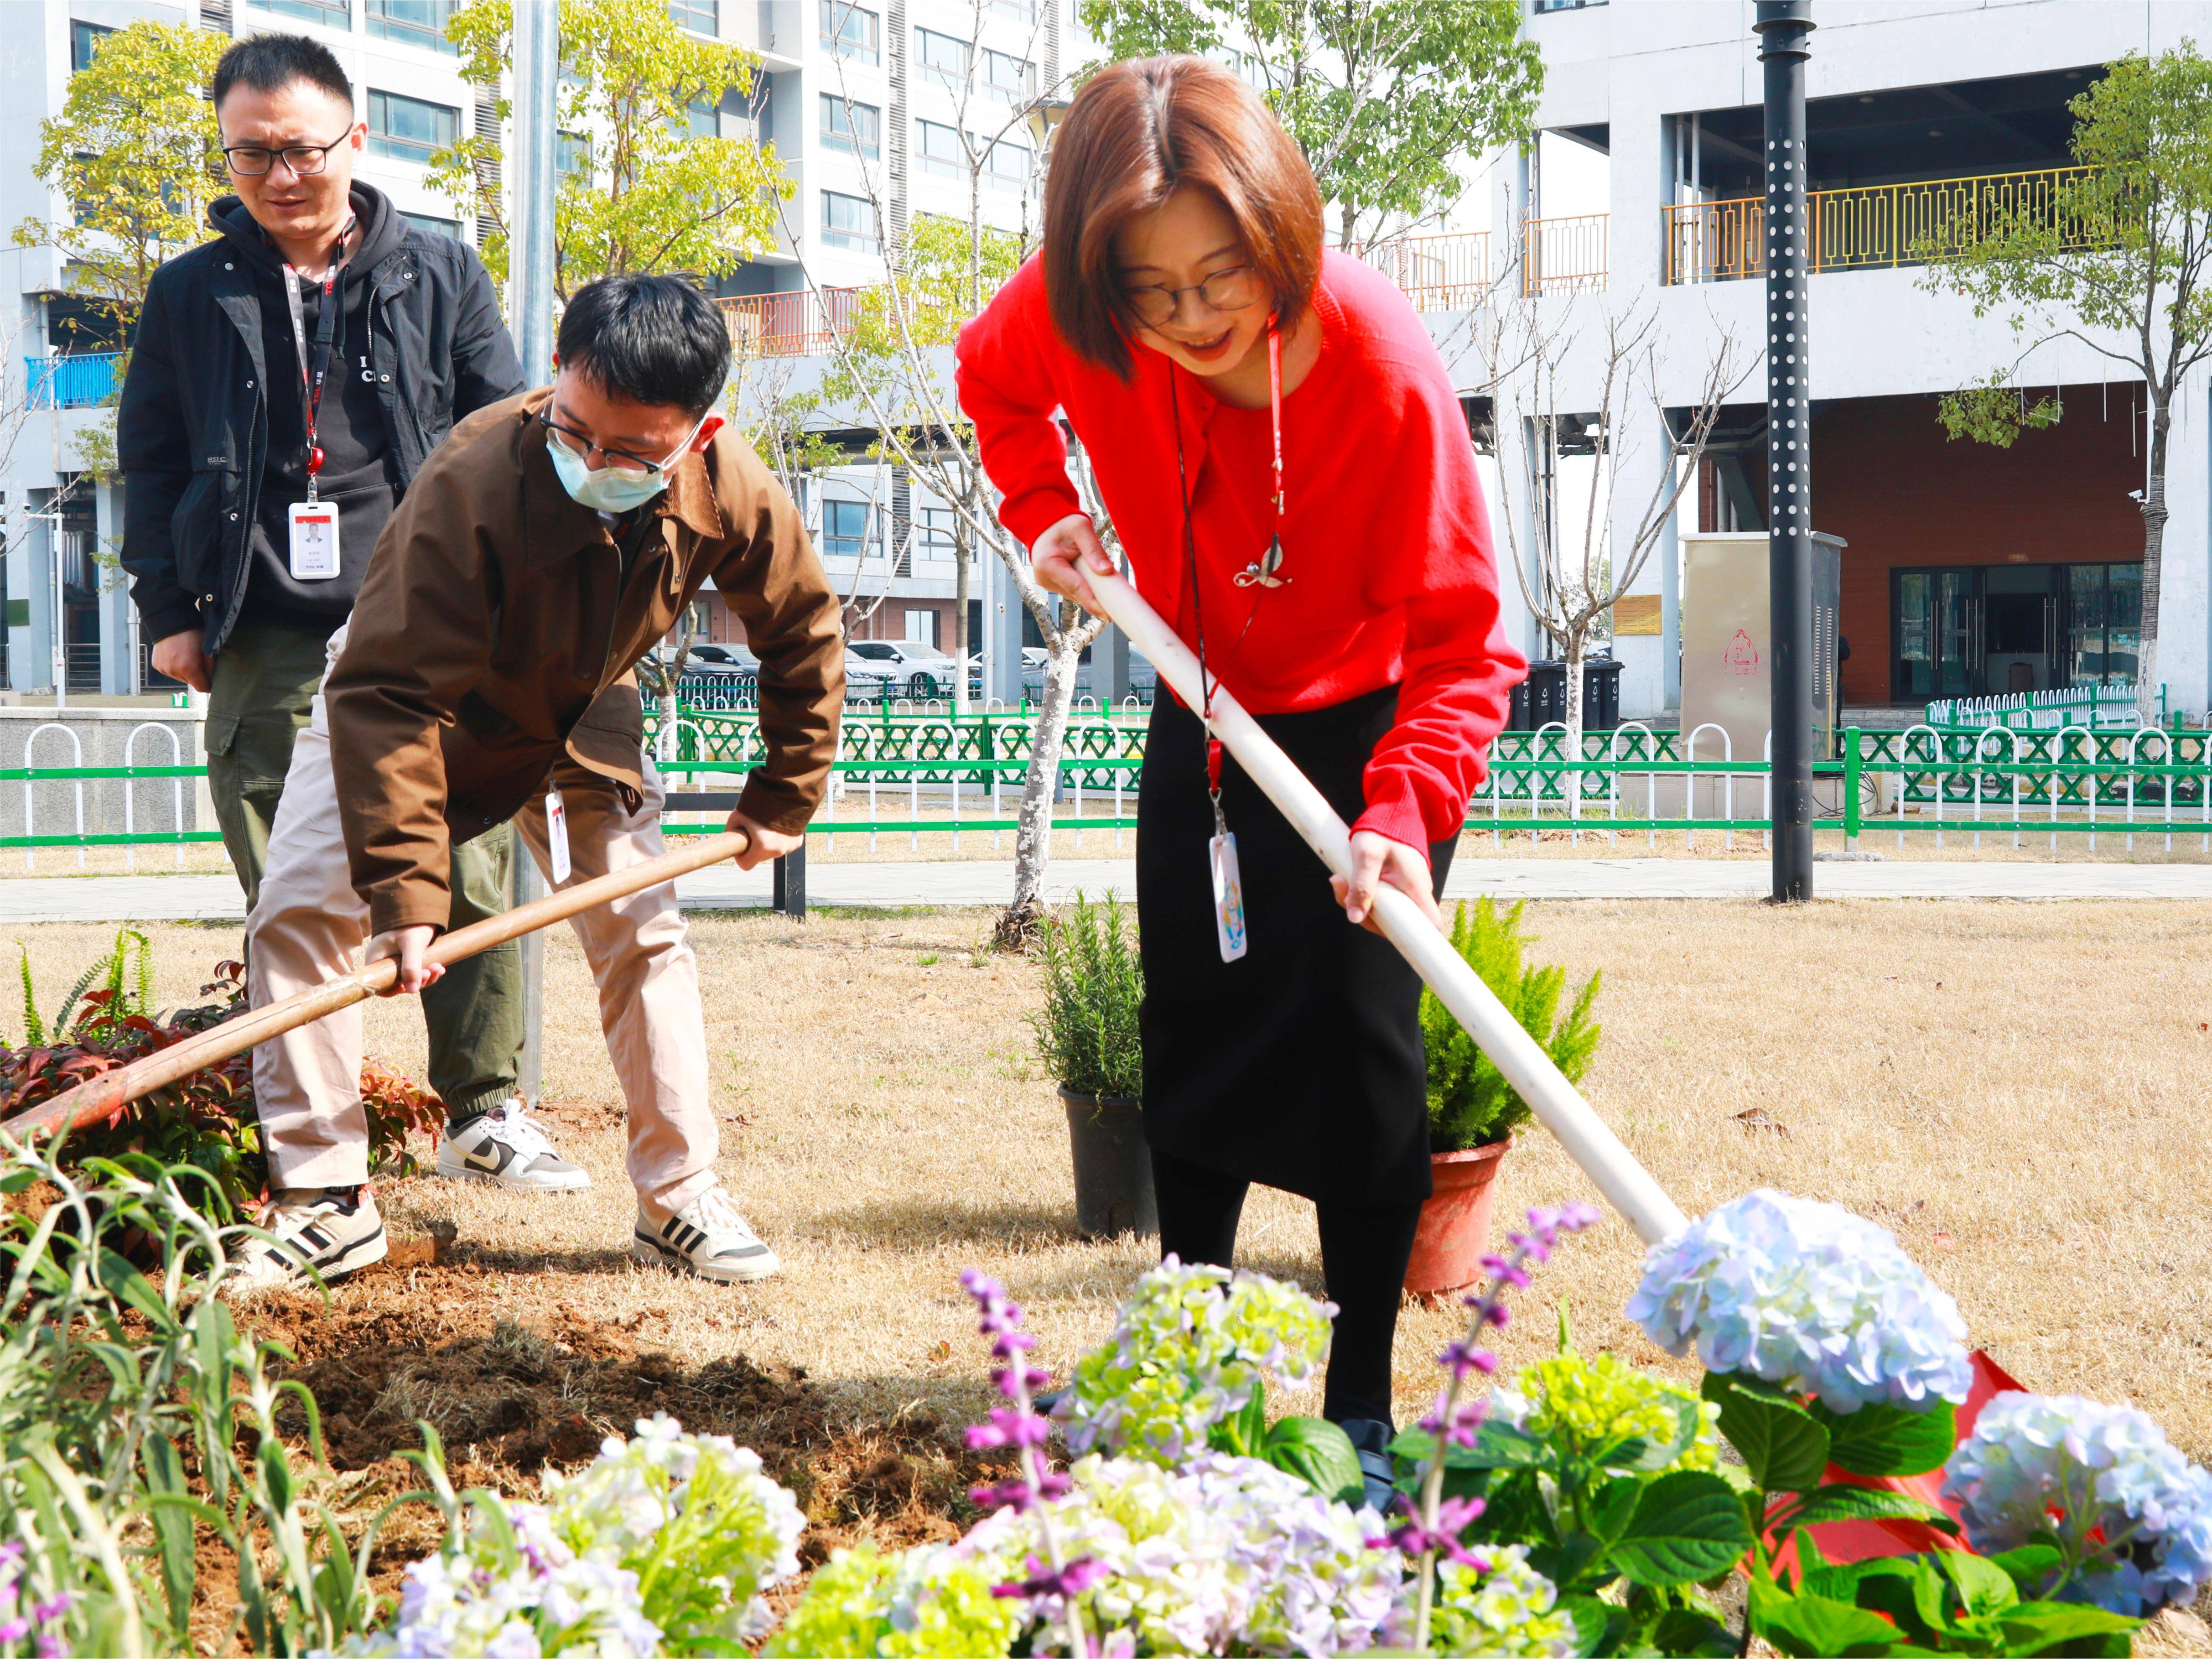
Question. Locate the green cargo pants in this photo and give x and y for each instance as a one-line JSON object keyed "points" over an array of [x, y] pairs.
{"points": [[264, 679]]}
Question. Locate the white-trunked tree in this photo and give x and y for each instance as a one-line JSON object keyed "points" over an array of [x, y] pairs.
{"points": [[1556, 386], [891, 372]]}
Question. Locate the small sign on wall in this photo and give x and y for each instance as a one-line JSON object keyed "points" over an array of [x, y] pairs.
{"points": [[1636, 613]]}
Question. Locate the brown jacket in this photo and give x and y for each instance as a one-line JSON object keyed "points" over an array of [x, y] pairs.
{"points": [[490, 648]]}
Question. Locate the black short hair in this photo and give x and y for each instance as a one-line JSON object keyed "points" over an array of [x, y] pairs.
{"points": [[269, 62], [650, 339]]}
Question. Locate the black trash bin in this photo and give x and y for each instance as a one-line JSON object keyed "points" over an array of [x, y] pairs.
{"points": [[1541, 699], [1547, 693], [1600, 693]]}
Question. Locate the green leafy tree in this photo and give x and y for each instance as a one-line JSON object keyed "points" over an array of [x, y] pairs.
{"points": [[137, 155], [1392, 101], [2115, 259], [638, 193]]}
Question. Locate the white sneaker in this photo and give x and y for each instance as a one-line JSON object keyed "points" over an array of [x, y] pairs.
{"points": [[708, 1237], [335, 1232], [509, 1148]]}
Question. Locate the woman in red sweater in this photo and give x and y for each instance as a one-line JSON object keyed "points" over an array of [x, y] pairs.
{"points": [[1185, 319]]}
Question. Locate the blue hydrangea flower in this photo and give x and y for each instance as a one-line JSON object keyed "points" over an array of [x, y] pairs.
{"points": [[2132, 1516], [1807, 1297]]}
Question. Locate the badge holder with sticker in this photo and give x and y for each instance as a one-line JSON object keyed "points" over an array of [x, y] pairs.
{"points": [[313, 553]]}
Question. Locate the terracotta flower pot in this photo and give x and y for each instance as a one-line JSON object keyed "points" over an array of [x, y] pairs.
{"points": [[1454, 1231], [1113, 1165]]}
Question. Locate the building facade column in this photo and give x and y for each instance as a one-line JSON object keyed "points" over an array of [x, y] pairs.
{"points": [[118, 633]]}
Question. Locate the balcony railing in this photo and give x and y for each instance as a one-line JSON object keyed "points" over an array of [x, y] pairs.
{"points": [[1564, 255], [1438, 273], [1870, 225], [788, 324], [79, 382]]}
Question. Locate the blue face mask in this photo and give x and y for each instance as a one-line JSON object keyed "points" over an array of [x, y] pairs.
{"points": [[610, 490]]}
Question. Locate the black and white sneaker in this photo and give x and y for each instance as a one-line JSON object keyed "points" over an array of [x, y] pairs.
{"points": [[336, 1230], [509, 1148], [708, 1237]]}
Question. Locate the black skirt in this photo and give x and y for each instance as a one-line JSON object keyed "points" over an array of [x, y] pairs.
{"points": [[1300, 1064]]}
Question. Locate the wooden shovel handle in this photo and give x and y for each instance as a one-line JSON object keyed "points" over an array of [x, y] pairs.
{"points": [[101, 1096]]}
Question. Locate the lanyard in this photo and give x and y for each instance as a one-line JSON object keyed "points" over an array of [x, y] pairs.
{"points": [[313, 373], [1261, 573]]}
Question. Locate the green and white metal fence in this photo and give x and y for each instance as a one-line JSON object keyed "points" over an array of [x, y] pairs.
{"points": [[921, 775]]}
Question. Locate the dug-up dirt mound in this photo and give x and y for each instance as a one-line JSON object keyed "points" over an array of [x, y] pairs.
{"points": [[510, 1400]]}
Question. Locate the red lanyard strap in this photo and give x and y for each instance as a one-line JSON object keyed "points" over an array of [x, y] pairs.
{"points": [[315, 371], [1275, 413]]}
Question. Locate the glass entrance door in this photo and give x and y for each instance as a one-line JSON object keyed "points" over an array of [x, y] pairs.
{"points": [[1938, 634], [1992, 630]]}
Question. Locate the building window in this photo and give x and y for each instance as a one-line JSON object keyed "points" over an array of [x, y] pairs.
{"points": [[844, 529], [1025, 9], [921, 627], [84, 40], [417, 22], [572, 155], [848, 221], [330, 14], [941, 153], [1013, 79], [856, 129], [409, 129], [432, 224], [852, 33], [1543, 6], [943, 57], [1008, 163], [934, 533], [700, 16]]}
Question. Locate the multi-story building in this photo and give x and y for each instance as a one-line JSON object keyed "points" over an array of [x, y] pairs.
{"points": [[1970, 570], [864, 105]]}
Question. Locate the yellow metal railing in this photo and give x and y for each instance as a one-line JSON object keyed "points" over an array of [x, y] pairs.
{"points": [[1564, 255], [1437, 273], [1869, 225], [788, 325]]}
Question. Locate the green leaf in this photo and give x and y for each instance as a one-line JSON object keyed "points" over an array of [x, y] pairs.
{"points": [[1576, 1562], [1320, 1454], [2030, 1567], [1907, 1588], [1888, 1439], [1685, 1631], [1840, 1503], [2065, 1627], [1611, 1507], [1983, 1588], [1688, 1527], [173, 1531], [1590, 1617], [1814, 1627], [1500, 1446], [1648, 1457], [1780, 1442]]}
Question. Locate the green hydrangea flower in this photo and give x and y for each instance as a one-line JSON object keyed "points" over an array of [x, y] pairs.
{"points": [[1588, 1406], [1511, 1610], [1190, 1347], [931, 1601]]}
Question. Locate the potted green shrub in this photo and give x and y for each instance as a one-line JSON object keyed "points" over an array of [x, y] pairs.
{"points": [[1473, 1110], [1087, 1038]]}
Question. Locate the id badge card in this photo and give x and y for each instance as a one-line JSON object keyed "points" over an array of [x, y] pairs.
{"points": [[556, 836], [314, 541], [1228, 895]]}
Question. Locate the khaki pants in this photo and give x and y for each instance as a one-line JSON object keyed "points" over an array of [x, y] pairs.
{"points": [[308, 926], [264, 683]]}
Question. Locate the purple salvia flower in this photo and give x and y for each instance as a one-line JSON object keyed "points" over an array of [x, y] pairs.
{"points": [[1074, 1578], [15, 1630]]}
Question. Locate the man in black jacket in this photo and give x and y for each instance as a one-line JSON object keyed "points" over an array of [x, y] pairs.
{"points": [[287, 381]]}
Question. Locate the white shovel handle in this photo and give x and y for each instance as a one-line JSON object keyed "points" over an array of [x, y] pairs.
{"points": [[1557, 1104]]}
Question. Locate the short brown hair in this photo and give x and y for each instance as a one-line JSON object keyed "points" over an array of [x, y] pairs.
{"points": [[1135, 132]]}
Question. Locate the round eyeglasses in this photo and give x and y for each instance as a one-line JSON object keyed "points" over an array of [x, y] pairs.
{"points": [[251, 161], [1224, 290]]}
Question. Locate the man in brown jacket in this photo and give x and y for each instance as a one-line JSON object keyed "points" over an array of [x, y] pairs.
{"points": [[487, 675]]}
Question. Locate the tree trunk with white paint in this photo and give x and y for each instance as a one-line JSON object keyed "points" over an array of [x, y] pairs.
{"points": [[1033, 838]]}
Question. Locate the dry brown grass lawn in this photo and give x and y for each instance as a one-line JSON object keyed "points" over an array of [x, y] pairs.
{"points": [[2017, 1090]]}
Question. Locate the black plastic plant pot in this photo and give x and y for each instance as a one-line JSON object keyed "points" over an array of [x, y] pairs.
{"points": [[1113, 1165]]}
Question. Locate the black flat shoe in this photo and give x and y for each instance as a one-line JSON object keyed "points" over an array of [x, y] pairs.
{"points": [[1371, 1440]]}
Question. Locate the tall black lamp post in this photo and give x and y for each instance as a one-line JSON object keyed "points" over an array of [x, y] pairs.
{"points": [[1785, 28]]}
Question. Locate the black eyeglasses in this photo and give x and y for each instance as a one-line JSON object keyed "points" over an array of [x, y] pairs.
{"points": [[251, 161], [1226, 290], [583, 448]]}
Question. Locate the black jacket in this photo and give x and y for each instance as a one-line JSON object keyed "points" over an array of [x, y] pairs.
{"points": [[192, 431]]}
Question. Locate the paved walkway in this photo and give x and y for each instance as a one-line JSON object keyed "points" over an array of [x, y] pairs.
{"points": [[891, 887]]}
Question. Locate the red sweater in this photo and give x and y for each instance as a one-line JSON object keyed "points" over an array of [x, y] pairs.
{"points": [[1385, 540]]}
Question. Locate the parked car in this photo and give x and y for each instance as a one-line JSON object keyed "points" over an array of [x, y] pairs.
{"points": [[923, 670], [724, 660], [868, 680]]}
